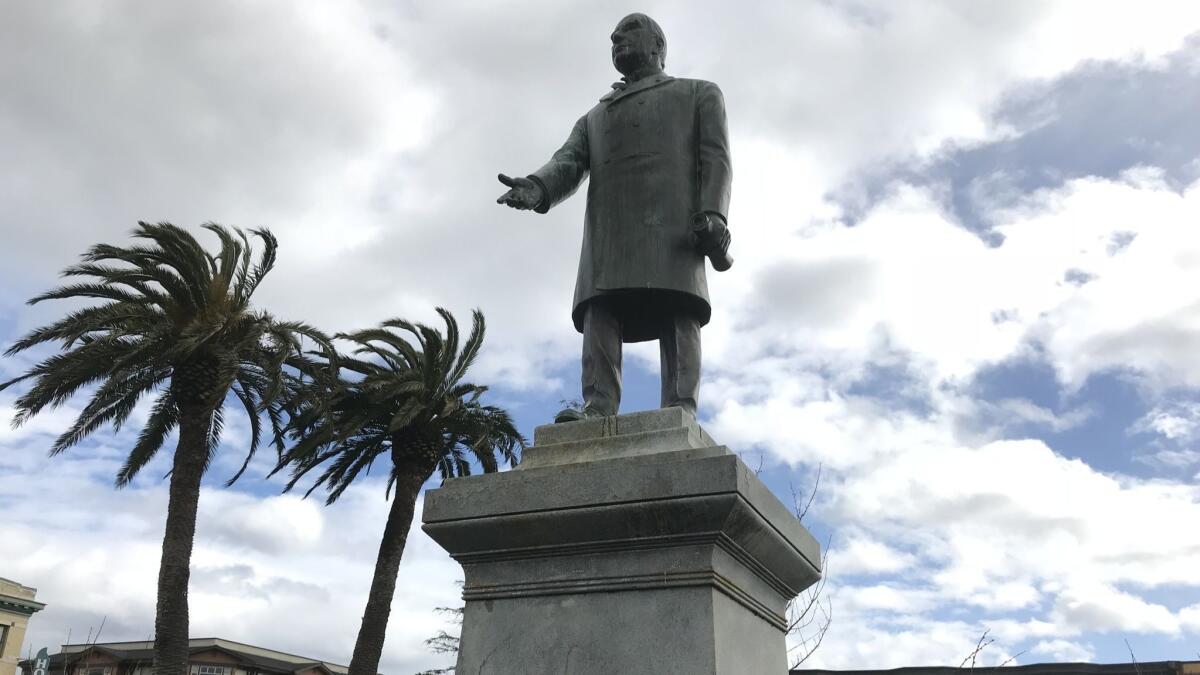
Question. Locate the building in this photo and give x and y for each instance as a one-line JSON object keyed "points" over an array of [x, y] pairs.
{"points": [[207, 656], [16, 606]]}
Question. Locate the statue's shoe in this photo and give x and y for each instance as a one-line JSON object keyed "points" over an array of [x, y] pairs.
{"points": [[575, 414], [569, 415]]}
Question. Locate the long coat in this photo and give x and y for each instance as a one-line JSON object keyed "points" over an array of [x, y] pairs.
{"points": [[658, 153]]}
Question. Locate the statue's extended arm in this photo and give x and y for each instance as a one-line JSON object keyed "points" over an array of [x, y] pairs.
{"points": [[556, 180], [561, 176]]}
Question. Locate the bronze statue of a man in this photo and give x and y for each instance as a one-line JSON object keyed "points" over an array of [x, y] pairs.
{"points": [[657, 150]]}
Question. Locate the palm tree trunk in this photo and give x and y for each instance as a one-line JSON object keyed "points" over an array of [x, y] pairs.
{"points": [[171, 619], [369, 646]]}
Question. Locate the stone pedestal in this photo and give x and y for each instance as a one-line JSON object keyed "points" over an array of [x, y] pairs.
{"points": [[623, 545]]}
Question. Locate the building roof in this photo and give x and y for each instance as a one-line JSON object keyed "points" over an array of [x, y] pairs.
{"points": [[26, 606], [18, 598], [262, 658], [1150, 668]]}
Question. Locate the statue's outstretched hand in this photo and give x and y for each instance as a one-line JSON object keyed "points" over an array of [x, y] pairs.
{"points": [[523, 193]]}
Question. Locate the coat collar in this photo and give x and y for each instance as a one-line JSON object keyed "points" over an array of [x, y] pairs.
{"points": [[641, 85]]}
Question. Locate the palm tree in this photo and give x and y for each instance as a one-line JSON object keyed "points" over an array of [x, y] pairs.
{"points": [[177, 323], [407, 403]]}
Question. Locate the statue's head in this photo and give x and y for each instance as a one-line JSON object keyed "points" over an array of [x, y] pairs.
{"points": [[637, 42]]}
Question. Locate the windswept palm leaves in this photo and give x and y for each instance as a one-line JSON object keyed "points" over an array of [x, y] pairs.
{"points": [[174, 323], [400, 397]]}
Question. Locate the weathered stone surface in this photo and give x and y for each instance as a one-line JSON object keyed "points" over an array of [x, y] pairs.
{"points": [[659, 419], [632, 445], [645, 548]]}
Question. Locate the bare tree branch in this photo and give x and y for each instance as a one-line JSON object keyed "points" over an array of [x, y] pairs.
{"points": [[1133, 659], [1012, 658], [801, 512], [811, 613], [984, 641]]}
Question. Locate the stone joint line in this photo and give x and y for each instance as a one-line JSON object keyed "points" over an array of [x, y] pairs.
{"points": [[630, 583]]}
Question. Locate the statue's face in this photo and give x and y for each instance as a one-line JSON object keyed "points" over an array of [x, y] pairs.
{"points": [[633, 44]]}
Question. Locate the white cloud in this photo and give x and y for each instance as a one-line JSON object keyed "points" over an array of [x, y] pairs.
{"points": [[1176, 459], [1012, 511], [52, 421], [862, 555], [272, 114], [907, 283], [1138, 312], [929, 642], [1063, 651], [886, 598], [989, 527], [1008, 595], [1174, 423], [275, 525], [1189, 618], [1094, 607], [1021, 410]]}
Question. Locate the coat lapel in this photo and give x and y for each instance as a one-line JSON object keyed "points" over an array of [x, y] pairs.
{"points": [[641, 85]]}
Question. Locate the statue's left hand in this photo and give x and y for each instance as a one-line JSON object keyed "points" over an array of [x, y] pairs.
{"points": [[523, 193], [710, 234]]}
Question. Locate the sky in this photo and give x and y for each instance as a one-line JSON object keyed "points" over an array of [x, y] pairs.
{"points": [[966, 241]]}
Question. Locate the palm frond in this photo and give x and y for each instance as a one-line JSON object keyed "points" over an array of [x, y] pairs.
{"points": [[92, 290], [471, 349], [155, 264], [266, 262], [251, 408], [216, 427], [60, 376], [407, 399], [164, 417], [111, 404], [131, 277], [170, 307], [179, 251], [126, 319]]}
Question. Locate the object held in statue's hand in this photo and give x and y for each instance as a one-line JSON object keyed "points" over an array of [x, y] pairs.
{"points": [[711, 237]]}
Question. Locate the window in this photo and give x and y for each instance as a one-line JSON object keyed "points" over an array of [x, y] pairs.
{"points": [[210, 670]]}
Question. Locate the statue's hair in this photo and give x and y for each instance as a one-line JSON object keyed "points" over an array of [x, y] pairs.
{"points": [[658, 34]]}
